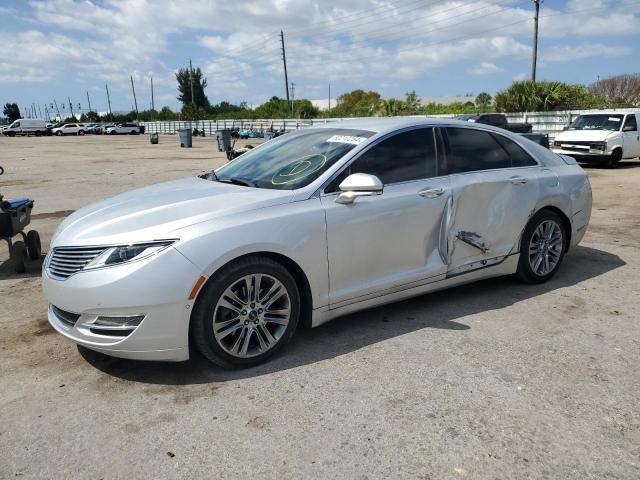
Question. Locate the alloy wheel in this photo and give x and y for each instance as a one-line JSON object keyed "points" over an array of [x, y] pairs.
{"points": [[251, 315], [545, 248]]}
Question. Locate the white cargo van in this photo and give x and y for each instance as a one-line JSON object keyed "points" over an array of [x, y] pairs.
{"points": [[26, 126], [602, 138]]}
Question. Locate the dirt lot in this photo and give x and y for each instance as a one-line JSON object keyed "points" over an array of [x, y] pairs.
{"points": [[490, 380]]}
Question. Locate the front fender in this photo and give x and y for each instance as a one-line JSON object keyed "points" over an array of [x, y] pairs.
{"points": [[296, 230]]}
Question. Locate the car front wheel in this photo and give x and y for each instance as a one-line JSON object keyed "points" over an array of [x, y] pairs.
{"points": [[543, 247], [246, 313]]}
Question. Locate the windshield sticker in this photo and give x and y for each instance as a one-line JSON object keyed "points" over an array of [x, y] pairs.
{"points": [[302, 167], [346, 139], [613, 119]]}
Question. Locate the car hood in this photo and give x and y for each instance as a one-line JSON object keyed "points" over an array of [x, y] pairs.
{"points": [[154, 212], [584, 135]]}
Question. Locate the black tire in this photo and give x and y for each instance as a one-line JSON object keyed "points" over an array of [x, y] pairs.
{"points": [[59, 133], [80, 132], [34, 247], [113, 132], [525, 270], [614, 159], [203, 313], [18, 257]]}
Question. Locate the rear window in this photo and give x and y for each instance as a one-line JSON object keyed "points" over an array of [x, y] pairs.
{"points": [[472, 150]]}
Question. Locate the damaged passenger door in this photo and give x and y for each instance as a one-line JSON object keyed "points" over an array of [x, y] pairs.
{"points": [[494, 185], [387, 242]]}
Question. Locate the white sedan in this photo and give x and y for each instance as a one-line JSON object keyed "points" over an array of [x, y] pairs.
{"points": [[308, 227]]}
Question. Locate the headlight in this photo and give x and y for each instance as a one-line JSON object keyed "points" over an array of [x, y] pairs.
{"points": [[125, 253]]}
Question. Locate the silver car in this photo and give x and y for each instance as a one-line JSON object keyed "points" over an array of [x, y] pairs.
{"points": [[308, 227]]}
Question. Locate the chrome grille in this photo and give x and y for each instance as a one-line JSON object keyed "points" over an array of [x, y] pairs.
{"points": [[65, 261]]}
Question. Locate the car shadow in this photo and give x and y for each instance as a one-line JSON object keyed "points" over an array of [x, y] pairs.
{"points": [[34, 269], [622, 165], [440, 310]]}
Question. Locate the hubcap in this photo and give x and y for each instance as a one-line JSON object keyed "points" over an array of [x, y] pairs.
{"points": [[545, 248], [251, 315]]}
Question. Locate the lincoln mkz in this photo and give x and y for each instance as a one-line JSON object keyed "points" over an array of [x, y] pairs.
{"points": [[307, 227]]}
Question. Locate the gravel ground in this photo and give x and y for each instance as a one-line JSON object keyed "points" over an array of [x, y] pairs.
{"points": [[493, 380]]}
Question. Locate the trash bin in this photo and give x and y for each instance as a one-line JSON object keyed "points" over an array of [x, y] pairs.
{"points": [[268, 136], [153, 138], [223, 137], [186, 137]]}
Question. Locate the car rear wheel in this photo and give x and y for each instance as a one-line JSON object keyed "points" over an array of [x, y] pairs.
{"points": [[59, 133], [113, 132], [246, 313], [543, 247], [81, 132]]}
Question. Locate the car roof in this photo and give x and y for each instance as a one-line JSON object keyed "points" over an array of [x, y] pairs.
{"points": [[390, 124]]}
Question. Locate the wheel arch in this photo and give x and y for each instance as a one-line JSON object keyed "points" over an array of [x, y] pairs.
{"points": [[306, 299], [566, 223]]}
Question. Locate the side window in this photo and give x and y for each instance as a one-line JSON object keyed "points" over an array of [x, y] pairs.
{"points": [[401, 158], [471, 150], [16, 125], [404, 157], [631, 122], [519, 158]]}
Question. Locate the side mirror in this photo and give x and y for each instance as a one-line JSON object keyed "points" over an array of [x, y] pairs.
{"points": [[359, 185]]}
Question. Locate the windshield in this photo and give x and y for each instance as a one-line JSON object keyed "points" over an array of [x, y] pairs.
{"points": [[597, 122], [292, 161]]}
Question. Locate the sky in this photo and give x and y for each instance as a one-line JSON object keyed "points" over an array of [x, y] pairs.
{"points": [[61, 49]]}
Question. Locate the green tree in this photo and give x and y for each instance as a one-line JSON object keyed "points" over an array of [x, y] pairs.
{"points": [[357, 103], [528, 96], [412, 102], [483, 101], [166, 114], [11, 111], [185, 77]]}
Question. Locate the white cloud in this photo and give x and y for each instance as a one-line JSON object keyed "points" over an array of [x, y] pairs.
{"points": [[567, 53], [485, 68], [237, 43]]}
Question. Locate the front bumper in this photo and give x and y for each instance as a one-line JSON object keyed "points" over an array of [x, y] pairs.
{"points": [[156, 287], [585, 156]]}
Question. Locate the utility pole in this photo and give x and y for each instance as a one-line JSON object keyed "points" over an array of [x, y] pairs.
{"points": [[134, 97], [153, 106], [40, 110], [89, 101], [57, 109], [293, 90], [534, 59], [108, 101], [46, 112], [284, 61], [71, 107], [329, 109], [191, 81]]}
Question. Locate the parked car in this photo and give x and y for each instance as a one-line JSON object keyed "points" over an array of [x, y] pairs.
{"points": [[26, 126], [602, 138], [93, 128], [69, 129], [124, 128], [308, 227], [497, 120]]}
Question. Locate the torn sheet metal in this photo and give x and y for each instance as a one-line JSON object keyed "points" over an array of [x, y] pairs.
{"points": [[473, 239]]}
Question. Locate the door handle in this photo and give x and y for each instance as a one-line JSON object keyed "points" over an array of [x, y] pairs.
{"points": [[431, 192], [518, 180]]}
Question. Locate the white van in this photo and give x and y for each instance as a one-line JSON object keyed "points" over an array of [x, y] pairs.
{"points": [[26, 126], [601, 138]]}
